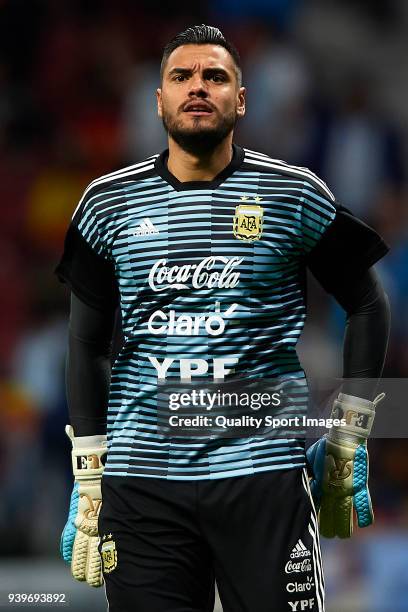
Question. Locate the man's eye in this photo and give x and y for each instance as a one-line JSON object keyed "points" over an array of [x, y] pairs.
{"points": [[218, 78], [179, 78]]}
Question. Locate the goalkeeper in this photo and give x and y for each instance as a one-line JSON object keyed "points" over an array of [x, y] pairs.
{"points": [[210, 231], [364, 348]]}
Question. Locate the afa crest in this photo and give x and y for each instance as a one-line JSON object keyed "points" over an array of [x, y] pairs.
{"points": [[248, 221], [109, 555]]}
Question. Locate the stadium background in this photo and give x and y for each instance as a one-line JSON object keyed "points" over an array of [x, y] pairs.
{"points": [[327, 88]]}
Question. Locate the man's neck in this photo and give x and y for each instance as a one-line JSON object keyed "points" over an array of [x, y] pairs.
{"points": [[189, 167]]}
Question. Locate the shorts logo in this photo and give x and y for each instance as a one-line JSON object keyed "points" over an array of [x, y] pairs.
{"points": [[300, 551], [299, 559], [109, 554], [303, 604], [248, 221], [300, 566], [300, 587]]}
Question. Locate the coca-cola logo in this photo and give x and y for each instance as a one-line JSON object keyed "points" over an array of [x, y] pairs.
{"points": [[198, 276], [299, 566]]}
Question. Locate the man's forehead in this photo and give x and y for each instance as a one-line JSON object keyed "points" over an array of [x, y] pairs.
{"points": [[188, 56]]}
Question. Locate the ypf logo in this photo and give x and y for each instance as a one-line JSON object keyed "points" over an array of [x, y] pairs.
{"points": [[303, 604]]}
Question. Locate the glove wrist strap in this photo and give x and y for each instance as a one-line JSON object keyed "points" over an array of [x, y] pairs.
{"points": [[88, 455], [358, 415]]}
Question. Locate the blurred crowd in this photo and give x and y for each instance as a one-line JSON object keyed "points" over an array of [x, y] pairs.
{"points": [[326, 90]]}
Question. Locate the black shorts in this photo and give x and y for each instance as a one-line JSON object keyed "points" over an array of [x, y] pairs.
{"points": [[164, 543]]}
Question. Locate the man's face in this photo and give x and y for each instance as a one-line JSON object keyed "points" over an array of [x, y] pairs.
{"points": [[200, 99]]}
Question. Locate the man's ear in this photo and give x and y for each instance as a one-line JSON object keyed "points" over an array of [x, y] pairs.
{"points": [[241, 102], [159, 101]]}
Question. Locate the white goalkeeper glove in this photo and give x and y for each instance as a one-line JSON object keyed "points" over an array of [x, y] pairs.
{"points": [[79, 540], [339, 461]]}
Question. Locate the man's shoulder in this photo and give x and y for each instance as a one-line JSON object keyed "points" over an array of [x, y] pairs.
{"points": [[127, 174], [261, 162], [108, 185]]}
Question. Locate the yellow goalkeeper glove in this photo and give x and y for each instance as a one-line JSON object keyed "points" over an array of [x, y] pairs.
{"points": [[79, 540], [339, 462]]}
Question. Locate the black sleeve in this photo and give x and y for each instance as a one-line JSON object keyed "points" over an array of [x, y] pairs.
{"points": [[88, 366], [348, 246], [367, 330], [90, 276]]}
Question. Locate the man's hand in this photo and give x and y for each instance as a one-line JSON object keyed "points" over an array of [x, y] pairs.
{"points": [[339, 462], [79, 540]]}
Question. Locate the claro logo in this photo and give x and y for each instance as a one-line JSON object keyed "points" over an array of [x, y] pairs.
{"points": [[172, 324], [300, 587], [198, 276]]}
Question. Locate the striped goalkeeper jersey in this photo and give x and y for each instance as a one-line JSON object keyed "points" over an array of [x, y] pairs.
{"points": [[210, 277]]}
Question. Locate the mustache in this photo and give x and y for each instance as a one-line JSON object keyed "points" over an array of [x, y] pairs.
{"points": [[198, 100]]}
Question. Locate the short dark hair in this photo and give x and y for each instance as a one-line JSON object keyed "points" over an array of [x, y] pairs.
{"points": [[202, 35]]}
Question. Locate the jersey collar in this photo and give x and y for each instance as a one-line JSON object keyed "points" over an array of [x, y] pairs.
{"points": [[162, 170]]}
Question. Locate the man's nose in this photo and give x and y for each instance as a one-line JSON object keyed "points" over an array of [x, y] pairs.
{"points": [[198, 86]]}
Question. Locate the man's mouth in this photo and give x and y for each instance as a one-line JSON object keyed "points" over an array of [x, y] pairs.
{"points": [[198, 109]]}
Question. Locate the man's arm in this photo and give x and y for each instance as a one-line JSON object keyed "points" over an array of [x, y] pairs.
{"points": [[363, 298], [339, 460], [87, 267], [88, 381], [88, 367]]}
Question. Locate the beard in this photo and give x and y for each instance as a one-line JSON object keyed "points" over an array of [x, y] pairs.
{"points": [[199, 140]]}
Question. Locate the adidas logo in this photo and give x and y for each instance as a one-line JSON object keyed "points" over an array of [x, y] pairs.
{"points": [[145, 228], [299, 551]]}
